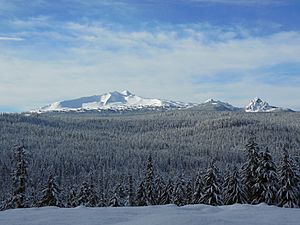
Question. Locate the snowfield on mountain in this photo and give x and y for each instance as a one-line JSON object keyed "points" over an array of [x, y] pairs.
{"points": [[154, 215], [125, 100]]}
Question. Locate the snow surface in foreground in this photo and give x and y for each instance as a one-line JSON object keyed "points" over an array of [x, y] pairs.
{"points": [[153, 215]]}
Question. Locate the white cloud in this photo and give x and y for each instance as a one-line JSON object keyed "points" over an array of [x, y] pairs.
{"points": [[162, 63], [242, 2], [11, 39]]}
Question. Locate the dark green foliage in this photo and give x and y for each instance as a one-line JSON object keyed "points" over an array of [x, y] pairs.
{"points": [[159, 190], [72, 146], [289, 181], [87, 195], [249, 168], [266, 181], [212, 189], [114, 202], [149, 183], [179, 193], [18, 199], [167, 193], [198, 186], [233, 189], [141, 197], [51, 195], [130, 197], [72, 198], [189, 193]]}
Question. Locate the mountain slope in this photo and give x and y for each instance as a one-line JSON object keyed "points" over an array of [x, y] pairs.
{"points": [[258, 105], [216, 105], [113, 100]]}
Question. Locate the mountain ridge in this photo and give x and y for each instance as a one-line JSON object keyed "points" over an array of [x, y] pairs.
{"points": [[126, 100]]}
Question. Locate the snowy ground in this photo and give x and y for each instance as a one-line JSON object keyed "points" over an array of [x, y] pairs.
{"points": [[154, 215]]}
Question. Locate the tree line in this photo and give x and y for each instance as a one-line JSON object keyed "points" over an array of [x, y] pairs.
{"points": [[258, 180]]}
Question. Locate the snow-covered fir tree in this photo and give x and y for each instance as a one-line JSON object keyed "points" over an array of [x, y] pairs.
{"points": [[198, 186], [130, 196], [167, 193], [179, 193], [233, 189], [72, 198], [159, 190], [249, 168], [189, 193], [150, 182], [87, 195], [51, 194], [18, 199], [289, 192], [212, 188], [141, 197], [114, 201], [102, 199], [121, 194], [266, 181]]}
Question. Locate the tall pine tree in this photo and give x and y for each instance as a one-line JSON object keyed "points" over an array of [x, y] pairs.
{"points": [[249, 168], [130, 196], [19, 176], [212, 189], [179, 193], [289, 192], [141, 197], [266, 181], [198, 186], [233, 189], [51, 194], [149, 182]]}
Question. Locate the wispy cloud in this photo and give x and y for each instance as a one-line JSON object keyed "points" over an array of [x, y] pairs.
{"points": [[2, 38], [154, 62], [243, 2]]}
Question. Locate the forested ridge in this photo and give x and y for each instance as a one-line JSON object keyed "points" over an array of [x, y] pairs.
{"points": [[105, 156]]}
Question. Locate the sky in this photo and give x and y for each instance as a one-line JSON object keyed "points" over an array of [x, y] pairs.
{"points": [[187, 50]]}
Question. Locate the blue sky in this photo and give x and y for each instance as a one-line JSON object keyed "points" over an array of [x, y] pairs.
{"points": [[188, 50]]}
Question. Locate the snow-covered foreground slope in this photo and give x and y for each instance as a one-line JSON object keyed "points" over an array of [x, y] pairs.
{"points": [[154, 215]]}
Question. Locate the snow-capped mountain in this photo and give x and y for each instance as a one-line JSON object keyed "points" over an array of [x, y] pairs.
{"points": [[258, 105], [215, 105], [124, 100], [220, 105]]}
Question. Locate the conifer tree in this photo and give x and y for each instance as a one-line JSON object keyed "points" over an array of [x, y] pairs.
{"points": [[167, 193], [122, 196], [179, 193], [289, 192], [212, 192], [102, 200], [72, 198], [233, 190], [51, 194], [197, 189], [130, 197], [149, 182], [114, 202], [141, 198], [159, 190], [189, 193], [249, 168], [87, 195], [19, 176], [266, 183]]}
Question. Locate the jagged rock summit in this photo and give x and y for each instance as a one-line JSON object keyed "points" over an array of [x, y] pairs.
{"points": [[258, 105], [126, 100]]}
